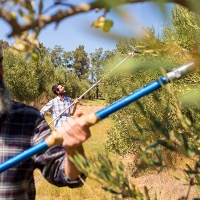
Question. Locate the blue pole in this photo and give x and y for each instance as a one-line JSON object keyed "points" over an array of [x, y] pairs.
{"points": [[23, 156], [169, 77], [101, 114]]}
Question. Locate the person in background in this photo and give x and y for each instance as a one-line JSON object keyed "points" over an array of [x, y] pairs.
{"points": [[22, 126], [57, 105]]}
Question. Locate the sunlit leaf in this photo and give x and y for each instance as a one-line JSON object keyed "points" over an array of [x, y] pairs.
{"points": [[35, 56]]}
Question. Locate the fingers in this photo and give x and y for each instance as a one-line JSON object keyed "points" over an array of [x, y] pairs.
{"points": [[79, 114], [76, 100], [75, 132]]}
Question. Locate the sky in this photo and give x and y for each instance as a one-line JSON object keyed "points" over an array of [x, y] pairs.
{"points": [[77, 30]]}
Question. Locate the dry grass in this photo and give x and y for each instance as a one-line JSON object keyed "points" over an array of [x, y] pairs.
{"points": [[165, 185]]}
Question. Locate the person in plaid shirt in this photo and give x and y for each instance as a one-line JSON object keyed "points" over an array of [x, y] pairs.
{"points": [[57, 105], [22, 126]]}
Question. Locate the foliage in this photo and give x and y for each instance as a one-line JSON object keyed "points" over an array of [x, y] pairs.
{"points": [[134, 120], [20, 80], [76, 87], [183, 31], [97, 60], [27, 18], [75, 70], [123, 84], [162, 119], [37, 80], [56, 56], [80, 63], [111, 176]]}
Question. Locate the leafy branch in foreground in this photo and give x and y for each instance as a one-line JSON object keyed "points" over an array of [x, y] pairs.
{"points": [[28, 18], [110, 175]]}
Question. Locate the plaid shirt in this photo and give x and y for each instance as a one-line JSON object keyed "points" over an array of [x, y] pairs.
{"points": [[20, 129], [57, 106]]}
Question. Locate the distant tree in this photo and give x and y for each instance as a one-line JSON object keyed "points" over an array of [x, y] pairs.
{"points": [[96, 61], [43, 51], [184, 28], [56, 55], [81, 63], [67, 59]]}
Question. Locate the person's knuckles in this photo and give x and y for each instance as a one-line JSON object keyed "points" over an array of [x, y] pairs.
{"points": [[81, 122]]}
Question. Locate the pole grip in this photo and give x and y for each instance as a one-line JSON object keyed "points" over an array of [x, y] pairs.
{"points": [[91, 119], [56, 137]]}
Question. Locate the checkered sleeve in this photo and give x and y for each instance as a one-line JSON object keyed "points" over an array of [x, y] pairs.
{"points": [[52, 161], [46, 108]]}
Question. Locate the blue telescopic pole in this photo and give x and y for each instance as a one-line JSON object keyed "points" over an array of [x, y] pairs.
{"points": [[101, 114], [56, 138], [23, 156]]}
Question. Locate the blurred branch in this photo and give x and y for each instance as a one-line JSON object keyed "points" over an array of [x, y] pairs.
{"points": [[25, 17], [42, 20]]}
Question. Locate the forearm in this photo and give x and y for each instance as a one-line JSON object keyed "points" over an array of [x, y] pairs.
{"points": [[75, 131], [46, 108], [70, 170], [73, 109]]}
